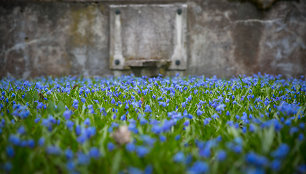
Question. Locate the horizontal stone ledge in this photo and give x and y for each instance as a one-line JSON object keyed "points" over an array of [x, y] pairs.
{"points": [[100, 1]]}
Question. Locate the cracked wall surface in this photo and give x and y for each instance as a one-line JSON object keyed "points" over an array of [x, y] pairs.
{"points": [[53, 39], [229, 38], [224, 38]]}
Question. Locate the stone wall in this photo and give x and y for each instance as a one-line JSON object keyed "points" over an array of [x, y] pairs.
{"points": [[224, 38], [232, 38]]}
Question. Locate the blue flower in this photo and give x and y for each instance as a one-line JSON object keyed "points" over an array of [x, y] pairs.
{"points": [[237, 148], [148, 169], [134, 170], [78, 130], [162, 138], [67, 114], [90, 131], [69, 125], [37, 120], [301, 137], [163, 104], [14, 139], [302, 168], [69, 154], [205, 152], [39, 105], [23, 143], [94, 153], [179, 157], [188, 159], [31, 143], [123, 117], [198, 168], [83, 158], [147, 108], [53, 150], [156, 129], [288, 109], [281, 151], [82, 138], [110, 146], [113, 101], [10, 151], [21, 130], [256, 170], [252, 128], [275, 165], [256, 160], [293, 130], [199, 112], [186, 123], [130, 147], [41, 141], [221, 155], [206, 121], [8, 166], [75, 104], [148, 140], [215, 116], [70, 165], [2, 123], [220, 107], [87, 122], [91, 109], [141, 151], [238, 140]]}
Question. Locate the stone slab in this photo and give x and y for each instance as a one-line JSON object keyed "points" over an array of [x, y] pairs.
{"points": [[147, 31]]}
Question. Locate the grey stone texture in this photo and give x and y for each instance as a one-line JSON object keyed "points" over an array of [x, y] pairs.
{"points": [[223, 37]]}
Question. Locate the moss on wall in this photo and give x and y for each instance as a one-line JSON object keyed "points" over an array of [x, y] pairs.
{"points": [[82, 18]]}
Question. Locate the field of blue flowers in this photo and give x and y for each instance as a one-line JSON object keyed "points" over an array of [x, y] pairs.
{"points": [[246, 124]]}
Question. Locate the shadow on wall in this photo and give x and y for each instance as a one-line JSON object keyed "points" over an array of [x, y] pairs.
{"points": [[263, 4]]}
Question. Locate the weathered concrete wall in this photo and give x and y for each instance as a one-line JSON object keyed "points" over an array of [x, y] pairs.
{"points": [[232, 38], [224, 38], [54, 38]]}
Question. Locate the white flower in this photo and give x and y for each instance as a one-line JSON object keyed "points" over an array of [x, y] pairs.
{"points": [[122, 135]]}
